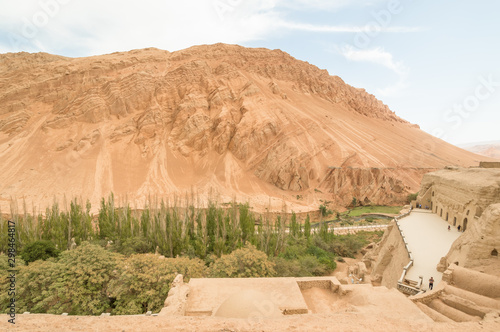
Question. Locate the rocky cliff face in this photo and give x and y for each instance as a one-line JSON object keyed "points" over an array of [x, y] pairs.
{"points": [[478, 247], [251, 124]]}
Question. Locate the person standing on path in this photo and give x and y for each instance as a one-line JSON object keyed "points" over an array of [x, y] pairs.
{"points": [[431, 283], [459, 226]]}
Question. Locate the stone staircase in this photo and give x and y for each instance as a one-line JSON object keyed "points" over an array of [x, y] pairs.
{"points": [[451, 303]]}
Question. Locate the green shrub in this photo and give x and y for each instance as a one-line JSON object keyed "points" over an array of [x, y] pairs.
{"points": [[347, 245], [39, 250], [133, 245], [325, 258], [247, 262], [313, 266], [289, 268], [145, 280], [81, 288], [294, 248], [76, 283], [302, 258], [304, 266], [36, 285], [4, 262], [412, 197], [5, 282]]}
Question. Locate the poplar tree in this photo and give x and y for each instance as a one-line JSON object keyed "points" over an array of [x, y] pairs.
{"points": [[307, 227]]}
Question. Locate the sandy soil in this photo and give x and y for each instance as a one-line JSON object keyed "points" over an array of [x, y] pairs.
{"points": [[323, 301], [361, 317]]}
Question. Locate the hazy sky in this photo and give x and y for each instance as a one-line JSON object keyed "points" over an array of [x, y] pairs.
{"points": [[435, 63]]}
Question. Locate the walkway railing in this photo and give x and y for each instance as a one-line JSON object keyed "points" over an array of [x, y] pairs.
{"points": [[407, 286], [355, 229]]}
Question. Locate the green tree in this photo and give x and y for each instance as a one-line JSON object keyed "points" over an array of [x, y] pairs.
{"points": [[33, 286], [42, 249], [133, 245], [77, 283], [211, 225], [247, 262], [81, 284], [247, 223], [294, 225], [323, 231], [107, 219], [307, 228], [145, 280], [55, 226], [411, 197], [80, 223], [354, 202], [323, 210]]}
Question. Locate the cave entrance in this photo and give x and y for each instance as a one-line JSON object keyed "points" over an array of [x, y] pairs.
{"points": [[465, 225], [455, 221], [494, 252]]}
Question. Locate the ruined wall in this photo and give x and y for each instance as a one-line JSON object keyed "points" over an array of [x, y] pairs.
{"points": [[176, 301], [480, 242], [489, 164], [469, 198], [388, 258], [460, 195]]}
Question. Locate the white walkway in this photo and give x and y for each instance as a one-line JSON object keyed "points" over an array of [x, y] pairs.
{"points": [[428, 239]]}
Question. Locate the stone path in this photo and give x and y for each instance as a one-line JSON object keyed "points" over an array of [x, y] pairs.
{"points": [[428, 239]]}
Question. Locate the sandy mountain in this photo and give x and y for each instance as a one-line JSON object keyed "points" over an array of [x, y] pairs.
{"points": [[250, 124], [487, 149]]}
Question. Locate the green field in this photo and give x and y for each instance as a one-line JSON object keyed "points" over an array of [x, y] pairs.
{"points": [[358, 211], [353, 217]]}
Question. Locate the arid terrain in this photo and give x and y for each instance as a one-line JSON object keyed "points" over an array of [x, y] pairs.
{"points": [[248, 124], [491, 149], [343, 321]]}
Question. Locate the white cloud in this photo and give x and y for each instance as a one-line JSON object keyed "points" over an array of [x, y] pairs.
{"points": [[383, 58], [394, 89], [375, 55], [95, 27], [331, 5], [343, 28]]}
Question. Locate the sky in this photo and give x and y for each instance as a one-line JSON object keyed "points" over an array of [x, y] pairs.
{"points": [[434, 63]]}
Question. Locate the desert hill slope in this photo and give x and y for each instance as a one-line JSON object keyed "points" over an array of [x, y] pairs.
{"points": [[250, 124], [487, 149]]}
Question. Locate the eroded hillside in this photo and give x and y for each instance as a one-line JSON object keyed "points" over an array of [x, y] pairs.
{"points": [[249, 124]]}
